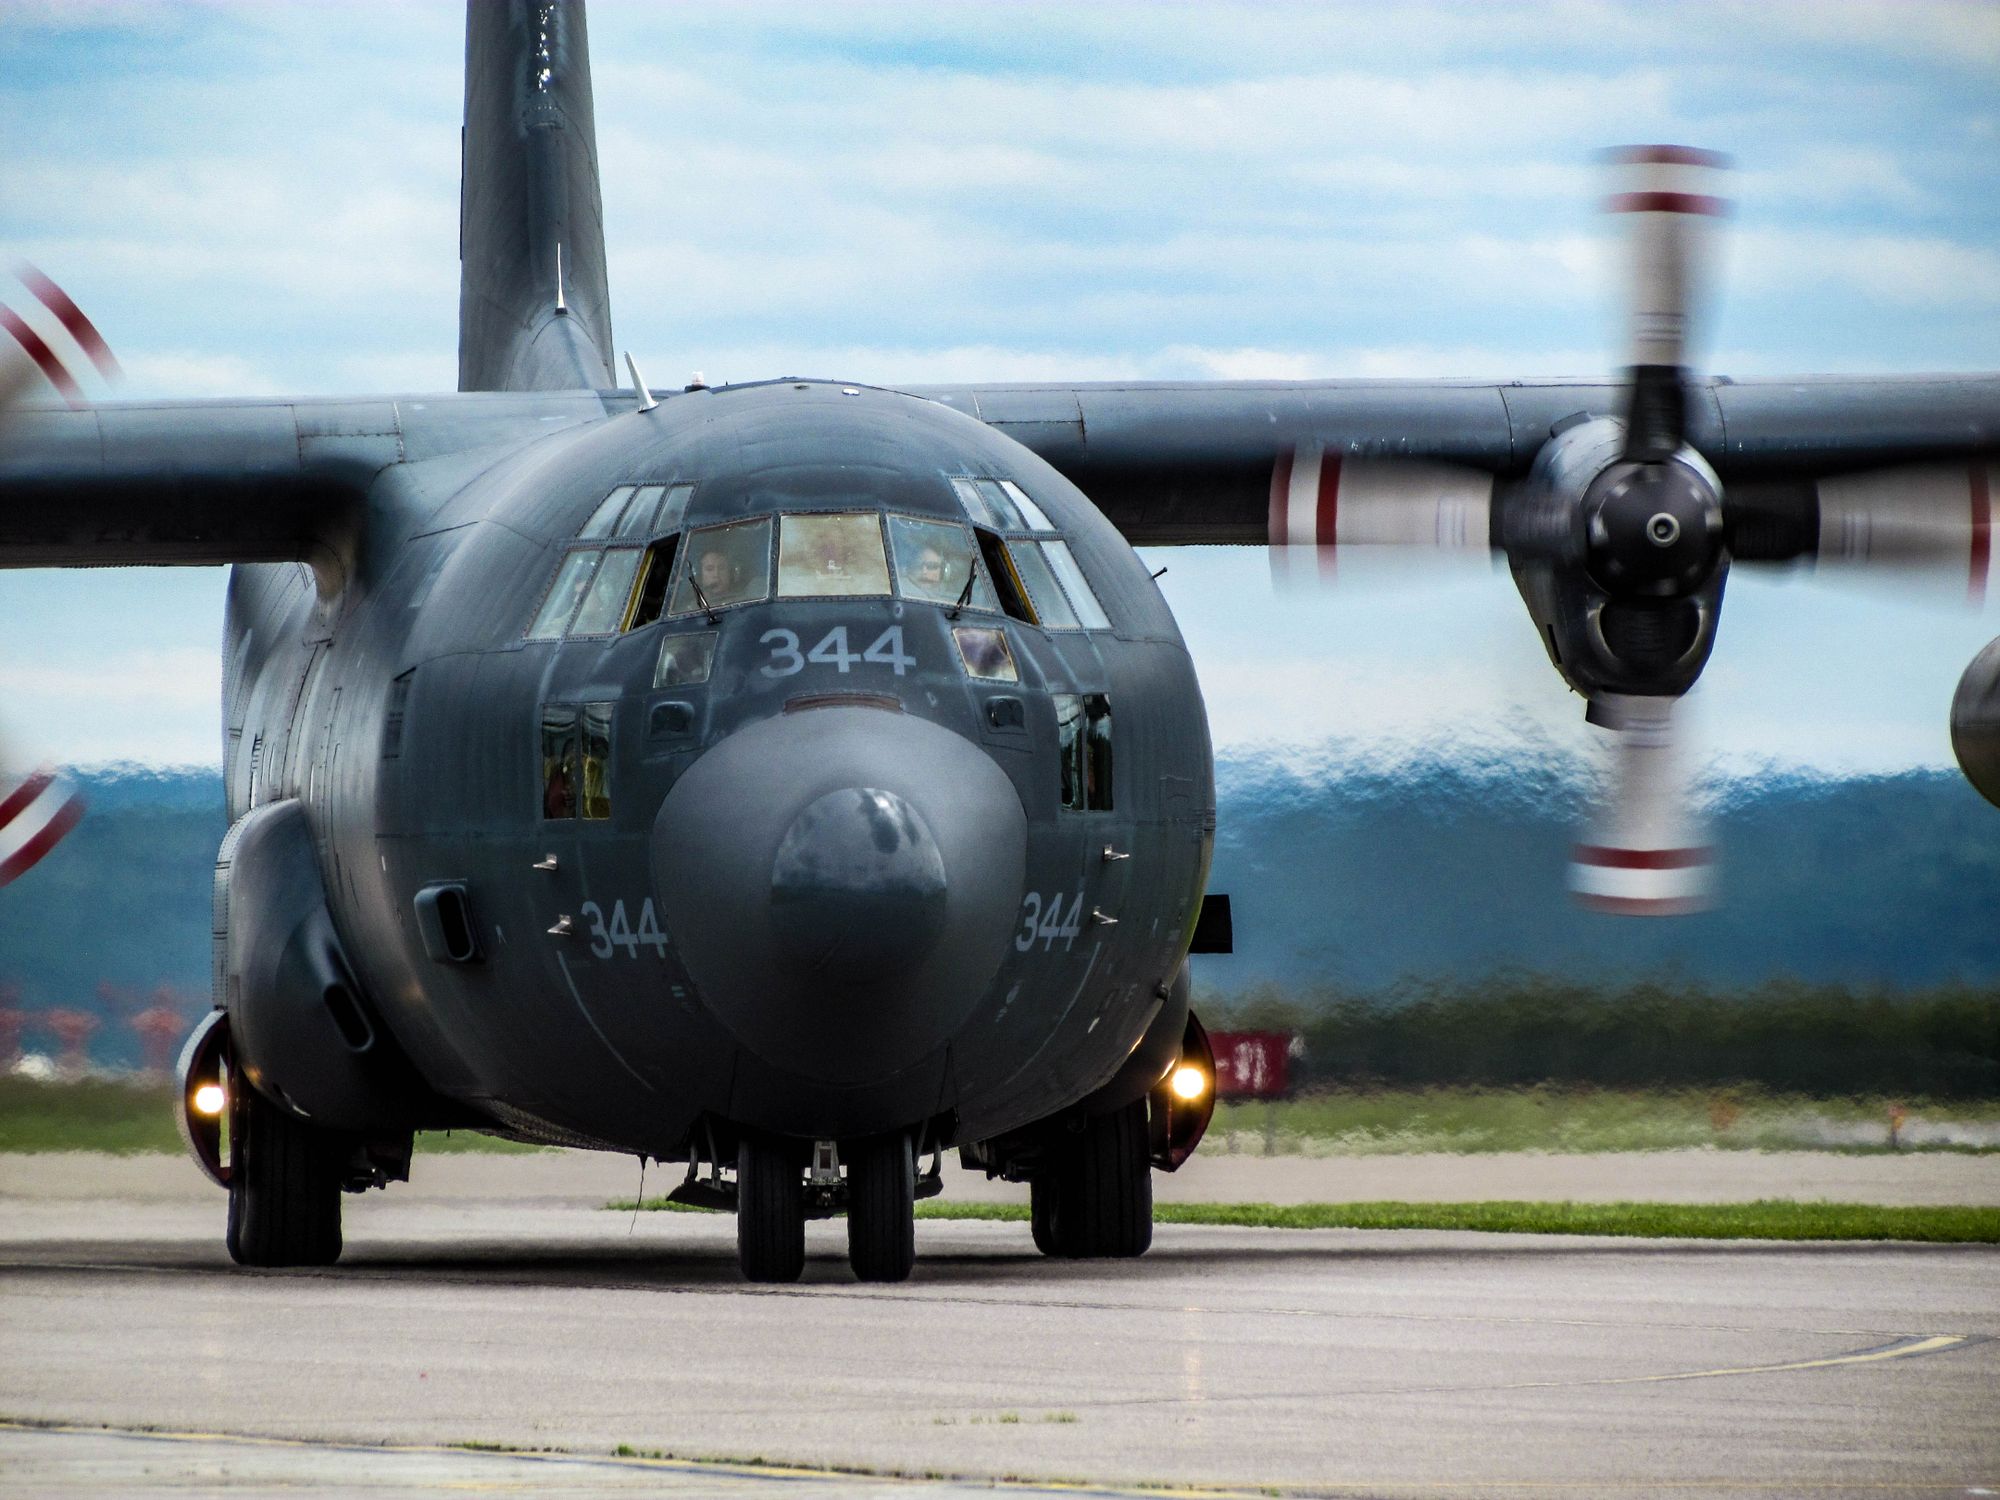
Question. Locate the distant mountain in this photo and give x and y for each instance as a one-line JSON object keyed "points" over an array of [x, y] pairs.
{"points": [[1351, 871], [1360, 872]]}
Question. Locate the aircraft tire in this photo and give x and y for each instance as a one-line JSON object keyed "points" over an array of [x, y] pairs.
{"points": [[1102, 1190], [1042, 1191], [770, 1212], [284, 1189], [882, 1209]]}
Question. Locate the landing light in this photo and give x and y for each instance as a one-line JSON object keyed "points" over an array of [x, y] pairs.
{"points": [[1189, 1082], [209, 1099]]}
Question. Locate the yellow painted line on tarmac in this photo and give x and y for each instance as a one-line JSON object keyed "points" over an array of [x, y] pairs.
{"points": [[726, 1467]]}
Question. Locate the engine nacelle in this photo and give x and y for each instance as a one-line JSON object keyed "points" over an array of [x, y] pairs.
{"points": [[1621, 564], [1975, 723], [300, 1031]]}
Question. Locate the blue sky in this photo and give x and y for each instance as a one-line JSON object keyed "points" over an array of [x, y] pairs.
{"points": [[262, 200]]}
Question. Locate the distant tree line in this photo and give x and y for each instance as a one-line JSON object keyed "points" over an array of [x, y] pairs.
{"points": [[1525, 1030]]}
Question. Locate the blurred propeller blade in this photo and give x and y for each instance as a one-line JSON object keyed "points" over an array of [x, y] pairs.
{"points": [[1644, 854], [35, 814], [1668, 195], [48, 341], [1926, 524], [1323, 501]]}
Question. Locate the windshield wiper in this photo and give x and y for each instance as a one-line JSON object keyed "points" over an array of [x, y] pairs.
{"points": [[971, 577], [702, 599]]}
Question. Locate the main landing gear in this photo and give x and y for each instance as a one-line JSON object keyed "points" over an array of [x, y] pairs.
{"points": [[1092, 1197], [776, 1193], [285, 1181]]}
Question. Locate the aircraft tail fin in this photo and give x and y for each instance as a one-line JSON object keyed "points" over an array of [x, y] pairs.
{"points": [[534, 307]]}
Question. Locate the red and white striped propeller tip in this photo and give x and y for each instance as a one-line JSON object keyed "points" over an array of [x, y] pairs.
{"points": [[1671, 200], [1322, 501], [1644, 854], [36, 813], [50, 337]]}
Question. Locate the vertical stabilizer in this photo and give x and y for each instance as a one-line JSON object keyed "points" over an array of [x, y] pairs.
{"points": [[534, 310]]}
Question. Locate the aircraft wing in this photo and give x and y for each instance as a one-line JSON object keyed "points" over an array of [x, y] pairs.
{"points": [[1175, 464], [206, 482]]}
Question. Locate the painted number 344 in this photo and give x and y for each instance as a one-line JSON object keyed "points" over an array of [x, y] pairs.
{"points": [[832, 650], [606, 938], [1044, 921]]}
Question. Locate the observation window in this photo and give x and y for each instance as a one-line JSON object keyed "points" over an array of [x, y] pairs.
{"points": [[828, 555], [634, 512], [1088, 611], [685, 660], [673, 508], [1051, 607], [559, 761], [1032, 513], [637, 522], [985, 653], [1083, 737], [605, 518], [935, 561], [564, 594], [724, 565], [1001, 504], [597, 760], [604, 604]]}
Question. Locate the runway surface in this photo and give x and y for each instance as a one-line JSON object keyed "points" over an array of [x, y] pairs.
{"points": [[1336, 1361]]}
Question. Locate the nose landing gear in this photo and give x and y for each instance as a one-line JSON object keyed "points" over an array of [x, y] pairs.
{"points": [[770, 1211], [881, 1208], [775, 1193]]}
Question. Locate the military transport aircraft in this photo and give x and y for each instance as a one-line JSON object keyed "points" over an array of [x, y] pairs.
{"points": [[800, 779]]}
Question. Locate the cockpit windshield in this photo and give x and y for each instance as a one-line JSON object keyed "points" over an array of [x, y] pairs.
{"points": [[726, 564], [830, 555], [934, 561]]}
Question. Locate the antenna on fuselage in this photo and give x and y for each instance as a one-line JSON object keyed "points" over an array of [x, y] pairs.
{"points": [[646, 400], [561, 306]]}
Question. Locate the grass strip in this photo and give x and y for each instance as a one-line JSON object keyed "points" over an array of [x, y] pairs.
{"points": [[1766, 1219]]}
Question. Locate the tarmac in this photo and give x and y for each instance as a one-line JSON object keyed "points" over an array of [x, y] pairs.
{"points": [[492, 1304]]}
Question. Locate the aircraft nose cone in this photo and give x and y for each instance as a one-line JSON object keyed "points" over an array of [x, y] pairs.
{"points": [[857, 888], [841, 884]]}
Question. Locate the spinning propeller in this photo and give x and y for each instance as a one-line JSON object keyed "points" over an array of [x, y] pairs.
{"points": [[1620, 536], [51, 347]]}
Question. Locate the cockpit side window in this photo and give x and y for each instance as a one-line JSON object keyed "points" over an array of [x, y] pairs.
{"points": [[1089, 613], [828, 556], [572, 578], [935, 561], [724, 565], [1050, 604], [658, 572], [603, 609], [999, 566]]}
